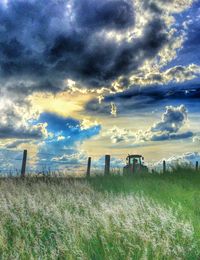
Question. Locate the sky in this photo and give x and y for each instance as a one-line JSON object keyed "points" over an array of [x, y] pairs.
{"points": [[83, 78]]}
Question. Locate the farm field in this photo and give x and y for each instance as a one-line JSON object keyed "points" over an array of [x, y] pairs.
{"points": [[140, 217]]}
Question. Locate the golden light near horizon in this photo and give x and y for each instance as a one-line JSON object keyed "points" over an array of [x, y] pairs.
{"points": [[66, 104]]}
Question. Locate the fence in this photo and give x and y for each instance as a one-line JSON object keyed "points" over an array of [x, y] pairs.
{"points": [[20, 163], [107, 165]]}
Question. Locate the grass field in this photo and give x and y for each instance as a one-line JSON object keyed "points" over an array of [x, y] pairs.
{"points": [[141, 217]]}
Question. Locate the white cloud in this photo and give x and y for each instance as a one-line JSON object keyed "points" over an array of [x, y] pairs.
{"points": [[61, 138], [74, 158], [86, 124], [168, 128], [174, 6], [196, 139], [16, 122], [172, 120], [114, 163], [177, 74], [186, 159], [119, 135], [113, 110]]}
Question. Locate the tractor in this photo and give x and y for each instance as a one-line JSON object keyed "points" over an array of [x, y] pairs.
{"points": [[134, 164]]}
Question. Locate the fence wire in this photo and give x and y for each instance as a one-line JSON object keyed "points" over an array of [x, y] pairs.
{"points": [[41, 163], [46, 163]]}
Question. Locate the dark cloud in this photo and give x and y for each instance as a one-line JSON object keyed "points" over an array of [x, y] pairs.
{"points": [[145, 98], [44, 42], [168, 136], [52, 40], [113, 14], [10, 132]]}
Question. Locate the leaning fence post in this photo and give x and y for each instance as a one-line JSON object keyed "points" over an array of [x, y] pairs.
{"points": [[164, 166], [23, 170], [197, 165], [88, 167], [107, 165]]}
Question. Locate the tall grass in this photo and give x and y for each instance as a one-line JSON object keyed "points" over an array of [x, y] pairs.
{"points": [[103, 218], [178, 189]]}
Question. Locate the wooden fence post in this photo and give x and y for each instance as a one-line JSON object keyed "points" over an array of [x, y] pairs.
{"points": [[164, 166], [197, 165], [23, 170], [107, 165], [88, 167]]}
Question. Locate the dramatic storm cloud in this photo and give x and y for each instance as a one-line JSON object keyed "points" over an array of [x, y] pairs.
{"points": [[144, 98], [45, 42]]}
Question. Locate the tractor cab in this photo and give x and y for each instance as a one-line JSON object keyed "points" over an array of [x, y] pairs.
{"points": [[134, 159], [134, 164]]}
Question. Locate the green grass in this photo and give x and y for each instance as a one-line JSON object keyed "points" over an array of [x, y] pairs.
{"points": [[180, 190], [140, 217]]}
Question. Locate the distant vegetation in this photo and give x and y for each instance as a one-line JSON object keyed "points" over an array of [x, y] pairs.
{"points": [[147, 216]]}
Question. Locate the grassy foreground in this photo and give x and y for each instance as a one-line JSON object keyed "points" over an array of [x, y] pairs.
{"points": [[140, 217]]}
